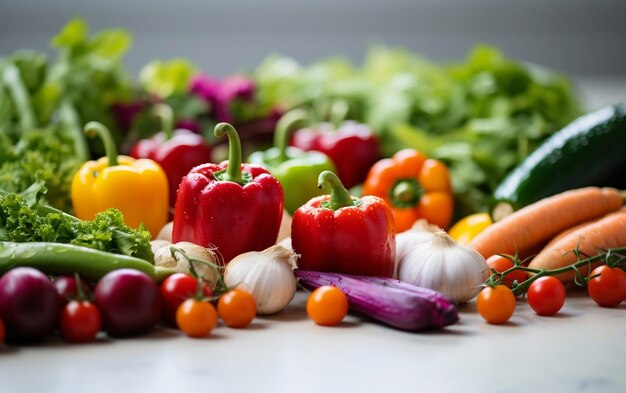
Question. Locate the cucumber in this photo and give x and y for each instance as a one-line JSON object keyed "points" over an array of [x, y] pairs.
{"points": [[590, 151]]}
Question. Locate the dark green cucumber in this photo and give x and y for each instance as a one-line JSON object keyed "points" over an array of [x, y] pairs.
{"points": [[590, 151]]}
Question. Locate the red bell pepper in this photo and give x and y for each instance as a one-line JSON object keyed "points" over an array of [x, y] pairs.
{"points": [[233, 206], [352, 147], [343, 234], [175, 151]]}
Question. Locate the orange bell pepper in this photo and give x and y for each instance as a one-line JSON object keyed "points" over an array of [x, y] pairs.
{"points": [[414, 186], [138, 188]]}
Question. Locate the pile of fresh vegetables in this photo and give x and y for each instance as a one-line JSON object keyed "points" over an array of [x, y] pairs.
{"points": [[203, 220]]}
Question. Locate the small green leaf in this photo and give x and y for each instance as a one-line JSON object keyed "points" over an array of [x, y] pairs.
{"points": [[73, 34], [165, 78]]}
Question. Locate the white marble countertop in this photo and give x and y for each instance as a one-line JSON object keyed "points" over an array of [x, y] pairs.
{"points": [[581, 349]]}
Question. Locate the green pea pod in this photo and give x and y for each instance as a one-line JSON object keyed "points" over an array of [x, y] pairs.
{"points": [[296, 170], [67, 259]]}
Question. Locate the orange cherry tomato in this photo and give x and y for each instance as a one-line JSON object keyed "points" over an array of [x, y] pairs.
{"points": [[496, 304], [327, 305], [237, 308], [196, 318]]}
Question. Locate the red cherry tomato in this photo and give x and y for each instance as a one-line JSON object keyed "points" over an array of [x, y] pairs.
{"points": [[546, 296], [608, 289], [175, 290], [496, 304], [327, 305], [196, 318], [80, 321], [501, 264]]}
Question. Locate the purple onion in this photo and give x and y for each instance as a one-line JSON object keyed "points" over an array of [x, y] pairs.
{"points": [[29, 304], [129, 302], [393, 302]]}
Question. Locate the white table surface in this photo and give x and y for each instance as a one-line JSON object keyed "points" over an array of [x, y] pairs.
{"points": [[582, 349]]}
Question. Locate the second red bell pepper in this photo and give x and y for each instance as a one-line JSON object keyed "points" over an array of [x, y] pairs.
{"points": [[343, 234], [352, 147], [232, 206], [176, 151]]}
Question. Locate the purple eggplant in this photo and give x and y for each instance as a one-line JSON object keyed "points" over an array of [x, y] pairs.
{"points": [[393, 302]]}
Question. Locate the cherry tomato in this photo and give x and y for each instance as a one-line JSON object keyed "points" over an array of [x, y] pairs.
{"points": [[80, 321], [327, 305], [496, 304], [609, 288], [546, 295], [175, 290], [500, 264], [237, 308], [1, 332], [196, 318]]}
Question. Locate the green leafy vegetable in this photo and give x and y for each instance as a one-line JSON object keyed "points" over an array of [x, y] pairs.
{"points": [[24, 219], [481, 117]]}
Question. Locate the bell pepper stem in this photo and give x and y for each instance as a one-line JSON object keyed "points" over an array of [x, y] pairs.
{"points": [[287, 123], [166, 116], [98, 129], [338, 112], [14, 83], [233, 172], [406, 193], [339, 195]]}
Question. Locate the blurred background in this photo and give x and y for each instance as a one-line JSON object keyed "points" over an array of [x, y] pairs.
{"points": [[583, 38]]}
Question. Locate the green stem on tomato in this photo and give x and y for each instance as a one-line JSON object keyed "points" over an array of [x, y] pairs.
{"points": [[233, 172], [101, 131], [287, 123], [520, 288]]}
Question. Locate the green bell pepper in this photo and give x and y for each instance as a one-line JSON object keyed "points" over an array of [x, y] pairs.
{"points": [[297, 170]]}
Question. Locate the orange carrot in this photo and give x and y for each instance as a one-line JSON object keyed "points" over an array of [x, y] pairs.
{"points": [[592, 238], [536, 224]]}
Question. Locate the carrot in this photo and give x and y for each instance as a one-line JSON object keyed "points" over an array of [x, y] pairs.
{"points": [[607, 232], [537, 223]]}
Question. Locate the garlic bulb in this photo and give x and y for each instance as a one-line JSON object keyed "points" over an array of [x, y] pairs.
{"points": [[419, 233], [267, 275], [445, 266], [206, 268]]}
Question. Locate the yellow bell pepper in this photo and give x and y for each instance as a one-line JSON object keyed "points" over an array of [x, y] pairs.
{"points": [[138, 188], [467, 228]]}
